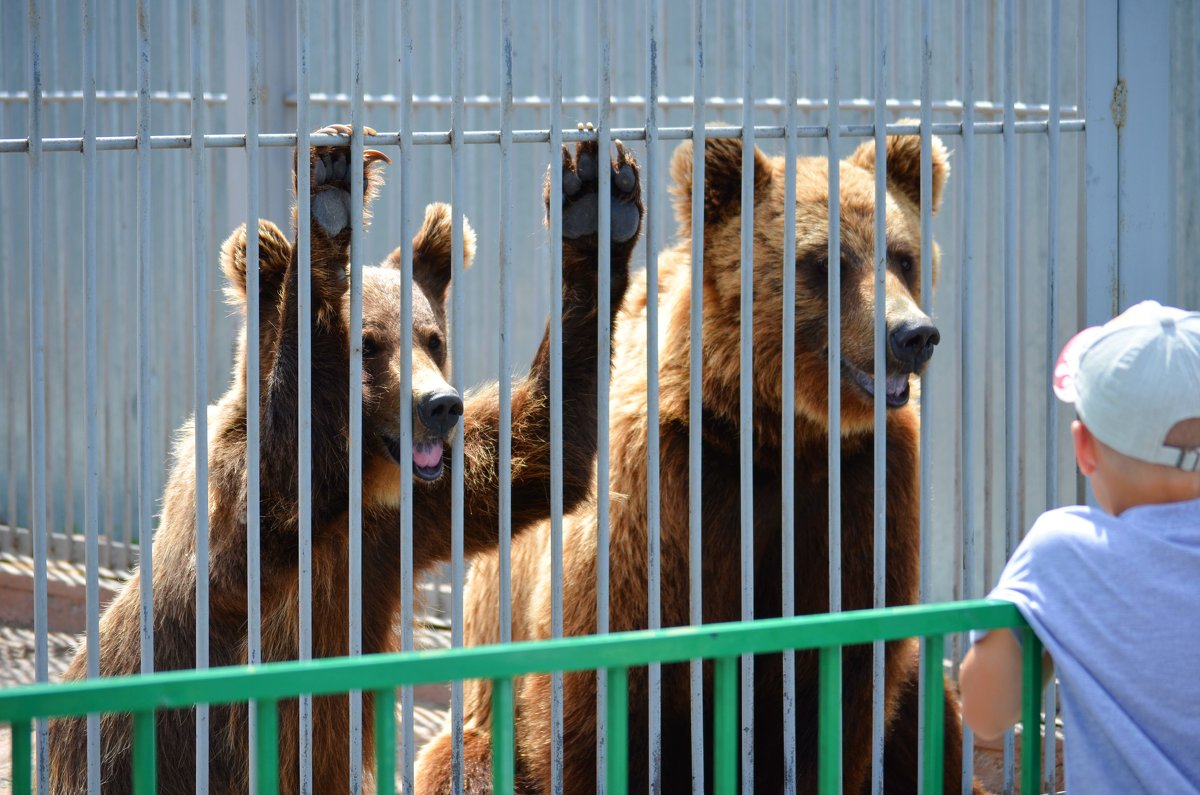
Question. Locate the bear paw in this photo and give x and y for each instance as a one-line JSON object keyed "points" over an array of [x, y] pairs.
{"points": [[580, 197], [330, 180]]}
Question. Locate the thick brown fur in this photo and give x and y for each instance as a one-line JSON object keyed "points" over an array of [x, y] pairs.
{"points": [[720, 488], [174, 543]]}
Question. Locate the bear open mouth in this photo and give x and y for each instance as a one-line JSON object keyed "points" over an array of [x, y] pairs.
{"points": [[426, 458], [897, 385]]}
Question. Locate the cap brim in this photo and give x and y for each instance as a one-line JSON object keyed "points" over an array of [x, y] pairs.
{"points": [[1067, 366]]}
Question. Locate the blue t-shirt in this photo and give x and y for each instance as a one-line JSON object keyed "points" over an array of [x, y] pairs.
{"points": [[1116, 602]]}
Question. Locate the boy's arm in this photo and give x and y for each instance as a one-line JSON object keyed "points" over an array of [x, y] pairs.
{"points": [[990, 683]]}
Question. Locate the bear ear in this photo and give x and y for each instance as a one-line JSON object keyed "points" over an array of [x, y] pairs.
{"points": [[904, 164], [274, 256], [431, 251], [722, 179]]}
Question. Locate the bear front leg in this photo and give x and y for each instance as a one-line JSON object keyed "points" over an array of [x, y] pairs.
{"points": [[331, 216]]}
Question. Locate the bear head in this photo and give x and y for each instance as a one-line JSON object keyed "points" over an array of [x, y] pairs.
{"points": [[910, 333]]}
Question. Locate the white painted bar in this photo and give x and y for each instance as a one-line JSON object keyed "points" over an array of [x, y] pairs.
{"points": [[145, 390], [927, 383], [304, 379], [746, 391], [880, 373], [788, 388], [650, 174], [603, 368], [408, 749], [91, 510], [695, 397], [833, 298], [967, 327], [253, 376], [556, 394], [200, 264], [358, 224], [456, 346]]}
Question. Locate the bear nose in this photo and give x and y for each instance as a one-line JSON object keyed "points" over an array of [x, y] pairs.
{"points": [[440, 410], [913, 340]]}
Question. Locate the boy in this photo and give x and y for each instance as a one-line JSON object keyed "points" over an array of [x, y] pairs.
{"points": [[1114, 593]]}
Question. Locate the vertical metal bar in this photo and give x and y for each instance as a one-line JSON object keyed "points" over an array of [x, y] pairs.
{"points": [[385, 741], [932, 707], [695, 398], [880, 535], [970, 423], [1031, 691], [653, 516], [304, 380], [834, 302], [253, 376], [1101, 49], [37, 393], [358, 222], [725, 706], [506, 252], [1052, 267], [457, 119], [746, 401], [266, 743], [200, 364], [556, 395], [502, 737], [91, 503], [788, 387], [22, 758], [617, 771], [926, 380], [408, 742], [829, 742], [603, 367], [831, 720], [144, 762]]}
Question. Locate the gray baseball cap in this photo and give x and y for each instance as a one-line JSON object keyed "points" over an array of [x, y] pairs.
{"points": [[1135, 383]]}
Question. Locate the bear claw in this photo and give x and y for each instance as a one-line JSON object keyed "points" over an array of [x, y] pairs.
{"points": [[330, 182], [580, 199]]}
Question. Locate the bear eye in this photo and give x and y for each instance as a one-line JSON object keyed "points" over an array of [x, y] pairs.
{"points": [[434, 343], [369, 347], [906, 264]]}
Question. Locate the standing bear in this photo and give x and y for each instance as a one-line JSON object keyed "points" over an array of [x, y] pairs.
{"points": [[437, 410], [911, 338]]}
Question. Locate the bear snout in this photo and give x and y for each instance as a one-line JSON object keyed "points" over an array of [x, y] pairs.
{"points": [[439, 410], [912, 341]]}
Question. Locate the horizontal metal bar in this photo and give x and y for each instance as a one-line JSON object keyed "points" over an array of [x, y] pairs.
{"points": [[623, 649], [683, 102], [113, 96], [434, 138], [535, 101]]}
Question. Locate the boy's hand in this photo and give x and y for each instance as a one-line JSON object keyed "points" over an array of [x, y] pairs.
{"points": [[990, 683]]}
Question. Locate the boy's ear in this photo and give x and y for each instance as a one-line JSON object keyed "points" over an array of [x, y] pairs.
{"points": [[722, 179], [274, 256], [432, 249], [904, 164], [1085, 448]]}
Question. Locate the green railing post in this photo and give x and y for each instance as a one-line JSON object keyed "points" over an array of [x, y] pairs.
{"points": [[934, 748], [22, 757], [266, 741], [385, 741], [830, 722], [725, 727], [1031, 713], [144, 764], [502, 736], [618, 731]]}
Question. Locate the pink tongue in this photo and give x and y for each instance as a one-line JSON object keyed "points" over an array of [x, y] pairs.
{"points": [[427, 456]]}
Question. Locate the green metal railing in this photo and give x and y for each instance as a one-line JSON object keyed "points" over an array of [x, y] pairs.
{"points": [[615, 654]]}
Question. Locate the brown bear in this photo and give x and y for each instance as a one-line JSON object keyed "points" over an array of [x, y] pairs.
{"points": [[436, 413], [911, 336]]}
